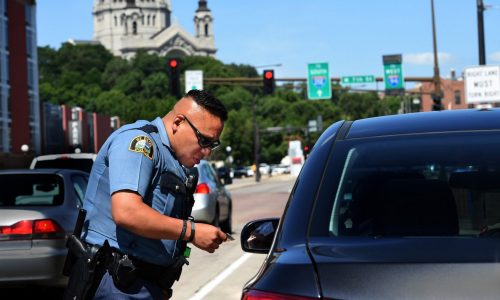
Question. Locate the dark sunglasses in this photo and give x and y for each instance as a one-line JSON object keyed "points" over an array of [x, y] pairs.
{"points": [[203, 141]]}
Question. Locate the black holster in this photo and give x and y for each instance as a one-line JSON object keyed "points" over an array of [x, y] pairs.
{"points": [[87, 270], [125, 270]]}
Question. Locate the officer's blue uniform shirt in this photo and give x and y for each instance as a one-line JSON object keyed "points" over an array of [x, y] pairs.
{"points": [[132, 160]]}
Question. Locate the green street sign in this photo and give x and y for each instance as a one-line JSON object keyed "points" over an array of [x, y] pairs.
{"points": [[357, 79], [393, 74], [393, 77], [318, 81]]}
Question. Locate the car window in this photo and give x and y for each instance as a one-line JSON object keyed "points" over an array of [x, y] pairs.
{"points": [[427, 185], [67, 163], [210, 173], [79, 186], [31, 190]]}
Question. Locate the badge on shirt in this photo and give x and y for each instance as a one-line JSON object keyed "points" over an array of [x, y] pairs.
{"points": [[142, 144]]}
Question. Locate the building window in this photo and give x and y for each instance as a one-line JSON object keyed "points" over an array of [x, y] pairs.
{"points": [[31, 77], [206, 29], [29, 43], [116, 21], [149, 18], [142, 19], [28, 14], [154, 18], [5, 32], [458, 98], [134, 27]]}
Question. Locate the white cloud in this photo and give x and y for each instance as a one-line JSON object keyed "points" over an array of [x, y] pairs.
{"points": [[495, 56], [426, 58]]}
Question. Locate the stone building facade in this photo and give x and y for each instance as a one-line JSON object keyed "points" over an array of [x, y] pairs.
{"points": [[126, 26]]}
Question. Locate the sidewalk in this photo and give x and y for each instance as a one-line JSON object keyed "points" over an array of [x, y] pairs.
{"points": [[243, 182]]}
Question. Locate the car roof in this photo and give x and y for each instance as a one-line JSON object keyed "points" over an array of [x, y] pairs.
{"points": [[40, 171], [426, 122], [67, 155]]}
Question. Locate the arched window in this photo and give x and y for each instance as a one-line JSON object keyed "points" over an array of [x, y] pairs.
{"points": [[142, 19], [154, 18], [206, 29], [134, 27], [116, 21], [149, 18]]}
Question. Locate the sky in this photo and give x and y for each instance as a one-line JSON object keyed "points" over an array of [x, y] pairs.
{"points": [[350, 35]]}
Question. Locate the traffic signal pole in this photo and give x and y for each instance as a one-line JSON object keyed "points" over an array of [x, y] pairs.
{"points": [[255, 139]]}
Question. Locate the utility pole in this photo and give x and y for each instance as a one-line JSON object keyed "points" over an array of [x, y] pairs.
{"points": [[480, 32], [437, 95]]}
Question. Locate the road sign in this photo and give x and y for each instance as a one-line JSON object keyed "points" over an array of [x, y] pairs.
{"points": [[357, 79], [482, 84], [312, 126], [194, 80], [393, 74], [318, 81]]}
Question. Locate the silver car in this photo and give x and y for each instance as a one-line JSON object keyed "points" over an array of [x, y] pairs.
{"points": [[38, 210], [212, 202]]}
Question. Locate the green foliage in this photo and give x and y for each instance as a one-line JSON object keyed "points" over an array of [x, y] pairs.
{"points": [[90, 77]]}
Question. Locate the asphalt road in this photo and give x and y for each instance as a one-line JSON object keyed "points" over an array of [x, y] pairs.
{"points": [[221, 275]]}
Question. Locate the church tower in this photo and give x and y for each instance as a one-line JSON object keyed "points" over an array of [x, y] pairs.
{"points": [[126, 26], [203, 23]]}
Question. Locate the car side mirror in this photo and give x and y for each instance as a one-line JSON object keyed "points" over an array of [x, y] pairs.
{"points": [[257, 236]]}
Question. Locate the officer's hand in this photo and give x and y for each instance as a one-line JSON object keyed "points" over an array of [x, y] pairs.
{"points": [[208, 237]]}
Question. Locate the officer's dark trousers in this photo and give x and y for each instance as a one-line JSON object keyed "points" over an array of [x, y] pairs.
{"points": [[140, 289]]}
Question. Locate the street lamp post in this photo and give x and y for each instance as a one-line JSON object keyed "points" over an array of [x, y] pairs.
{"points": [[480, 32], [436, 97]]}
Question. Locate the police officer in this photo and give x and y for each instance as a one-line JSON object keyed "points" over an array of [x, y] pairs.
{"points": [[136, 201]]}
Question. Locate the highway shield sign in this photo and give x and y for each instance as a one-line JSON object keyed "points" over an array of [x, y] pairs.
{"points": [[318, 81]]}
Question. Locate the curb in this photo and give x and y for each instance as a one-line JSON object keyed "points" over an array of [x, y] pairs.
{"points": [[244, 182]]}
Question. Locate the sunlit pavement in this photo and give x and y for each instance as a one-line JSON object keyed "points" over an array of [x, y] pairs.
{"points": [[243, 182]]}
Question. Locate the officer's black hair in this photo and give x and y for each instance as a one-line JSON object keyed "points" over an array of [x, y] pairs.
{"points": [[208, 102]]}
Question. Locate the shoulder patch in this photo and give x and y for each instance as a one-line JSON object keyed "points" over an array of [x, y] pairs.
{"points": [[142, 144]]}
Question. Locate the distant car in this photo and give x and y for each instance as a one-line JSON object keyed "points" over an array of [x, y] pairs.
{"points": [[393, 207], [212, 202], [280, 169], [242, 171], [38, 210], [264, 168], [225, 175], [76, 161]]}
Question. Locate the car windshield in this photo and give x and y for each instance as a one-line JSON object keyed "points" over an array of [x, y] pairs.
{"points": [[31, 190], [420, 185]]}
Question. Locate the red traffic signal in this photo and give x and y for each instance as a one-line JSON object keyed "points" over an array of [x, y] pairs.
{"points": [[173, 63], [174, 77], [268, 77]]}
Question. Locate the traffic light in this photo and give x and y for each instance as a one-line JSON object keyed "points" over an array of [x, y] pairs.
{"points": [[436, 99], [306, 149], [174, 77], [268, 78]]}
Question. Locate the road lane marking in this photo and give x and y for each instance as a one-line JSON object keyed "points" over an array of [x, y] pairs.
{"points": [[217, 280]]}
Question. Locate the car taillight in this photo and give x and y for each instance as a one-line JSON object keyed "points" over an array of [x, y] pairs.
{"points": [[32, 229], [260, 295], [202, 188]]}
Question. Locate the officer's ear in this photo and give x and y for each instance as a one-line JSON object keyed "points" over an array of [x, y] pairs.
{"points": [[177, 121]]}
